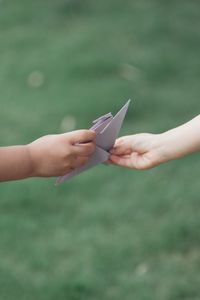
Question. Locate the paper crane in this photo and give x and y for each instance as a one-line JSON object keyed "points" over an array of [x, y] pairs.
{"points": [[107, 129]]}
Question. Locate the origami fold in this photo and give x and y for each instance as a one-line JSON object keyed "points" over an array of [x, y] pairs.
{"points": [[107, 129]]}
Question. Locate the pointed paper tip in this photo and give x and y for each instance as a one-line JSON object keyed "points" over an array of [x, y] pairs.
{"points": [[125, 107], [127, 104]]}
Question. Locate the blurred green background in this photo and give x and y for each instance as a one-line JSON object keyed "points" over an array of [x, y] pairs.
{"points": [[111, 233]]}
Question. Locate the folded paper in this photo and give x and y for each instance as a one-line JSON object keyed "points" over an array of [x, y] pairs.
{"points": [[107, 129]]}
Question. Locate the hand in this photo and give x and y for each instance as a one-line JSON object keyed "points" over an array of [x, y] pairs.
{"points": [[56, 155], [140, 151]]}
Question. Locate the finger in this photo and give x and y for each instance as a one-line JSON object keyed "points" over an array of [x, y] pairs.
{"points": [[121, 161], [122, 146], [117, 144], [82, 136], [119, 151], [84, 149], [123, 140]]}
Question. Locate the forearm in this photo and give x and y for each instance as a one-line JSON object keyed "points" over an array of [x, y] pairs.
{"points": [[182, 140], [15, 163]]}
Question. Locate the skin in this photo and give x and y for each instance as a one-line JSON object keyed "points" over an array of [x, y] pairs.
{"points": [[51, 155], [144, 151]]}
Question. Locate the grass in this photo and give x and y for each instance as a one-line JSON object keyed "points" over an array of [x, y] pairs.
{"points": [[110, 233]]}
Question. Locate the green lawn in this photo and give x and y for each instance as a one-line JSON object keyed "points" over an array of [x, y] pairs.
{"points": [[111, 233]]}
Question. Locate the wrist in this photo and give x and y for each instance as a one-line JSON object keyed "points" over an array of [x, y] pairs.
{"points": [[158, 148], [32, 161], [162, 148], [168, 146]]}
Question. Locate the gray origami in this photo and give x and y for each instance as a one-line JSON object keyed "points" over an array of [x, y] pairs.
{"points": [[107, 129]]}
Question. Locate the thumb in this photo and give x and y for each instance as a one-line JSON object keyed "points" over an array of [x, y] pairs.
{"points": [[82, 136], [122, 146]]}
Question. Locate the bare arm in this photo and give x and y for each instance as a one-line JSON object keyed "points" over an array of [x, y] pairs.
{"points": [[51, 155], [15, 163], [182, 140]]}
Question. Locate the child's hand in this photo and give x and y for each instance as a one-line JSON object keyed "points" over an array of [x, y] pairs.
{"points": [[145, 151], [56, 155], [140, 151]]}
